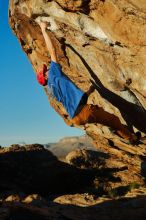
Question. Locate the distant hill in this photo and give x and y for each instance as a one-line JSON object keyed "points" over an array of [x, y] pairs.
{"points": [[68, 144]]}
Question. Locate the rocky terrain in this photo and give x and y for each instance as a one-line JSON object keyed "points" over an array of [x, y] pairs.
{"points": [[34, 184], [100, 42]]}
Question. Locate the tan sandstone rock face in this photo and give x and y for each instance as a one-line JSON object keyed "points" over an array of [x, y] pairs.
{"points": [[102, 40]]}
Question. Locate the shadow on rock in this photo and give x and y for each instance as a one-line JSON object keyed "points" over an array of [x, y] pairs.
{"points": [[87, 159], [98, 164], [33, 169], [134, 114], [143, 167], [122, 209]]}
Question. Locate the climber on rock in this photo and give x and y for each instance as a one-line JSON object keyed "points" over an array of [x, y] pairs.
{"points": [[74, 99]]}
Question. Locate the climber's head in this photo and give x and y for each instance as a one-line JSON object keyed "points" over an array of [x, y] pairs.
{"points": [[42, 76]]}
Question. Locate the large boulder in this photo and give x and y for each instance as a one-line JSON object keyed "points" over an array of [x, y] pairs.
{"points": [[102, 41]]}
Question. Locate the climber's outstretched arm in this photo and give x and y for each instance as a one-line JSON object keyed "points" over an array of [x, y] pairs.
{"points": [[48, 41]]}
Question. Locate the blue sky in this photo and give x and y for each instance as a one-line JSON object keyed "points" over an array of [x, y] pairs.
{"points": [[25, 114]]}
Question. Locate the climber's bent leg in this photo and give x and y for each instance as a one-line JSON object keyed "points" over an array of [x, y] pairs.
{"points": [[95, 114]]}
